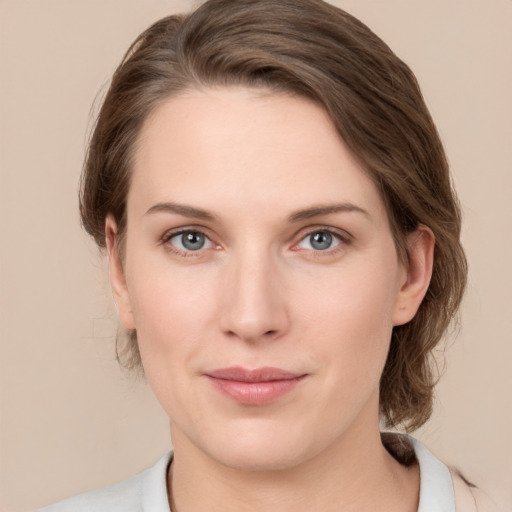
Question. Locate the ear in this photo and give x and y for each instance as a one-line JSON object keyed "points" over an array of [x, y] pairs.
{"points": [[117, 275], [418, 271]]}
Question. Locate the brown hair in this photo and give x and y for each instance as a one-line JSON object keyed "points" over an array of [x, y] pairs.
{"points": [[312, 49]]}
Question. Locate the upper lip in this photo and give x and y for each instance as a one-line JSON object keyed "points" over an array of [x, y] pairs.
{"points": [[265, 374]]}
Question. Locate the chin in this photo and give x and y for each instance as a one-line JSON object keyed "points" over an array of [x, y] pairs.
{"points": [[258, 458], [261, 448]]}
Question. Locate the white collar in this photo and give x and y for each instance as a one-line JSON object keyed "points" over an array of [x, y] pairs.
{"points": [[436, 485]]}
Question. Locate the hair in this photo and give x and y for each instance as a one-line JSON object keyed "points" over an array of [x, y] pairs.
{"points": [[315, 50]]}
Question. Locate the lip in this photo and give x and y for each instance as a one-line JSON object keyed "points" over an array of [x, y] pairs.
{"points": [[257, 386]]}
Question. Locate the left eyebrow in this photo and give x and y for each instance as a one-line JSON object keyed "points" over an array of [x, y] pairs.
{"points": [[183, 210], [317, 211]]}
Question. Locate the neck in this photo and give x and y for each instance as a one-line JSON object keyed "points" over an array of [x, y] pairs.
{"points": [[355, 474]]}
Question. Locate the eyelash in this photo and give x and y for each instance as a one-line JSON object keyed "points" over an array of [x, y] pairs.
{"points": [[343, 238]]}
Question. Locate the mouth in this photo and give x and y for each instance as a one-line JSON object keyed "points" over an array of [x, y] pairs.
{"points": [[259, 386]]}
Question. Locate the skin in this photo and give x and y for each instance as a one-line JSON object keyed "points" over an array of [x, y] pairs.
{"points": [[259, 293]]}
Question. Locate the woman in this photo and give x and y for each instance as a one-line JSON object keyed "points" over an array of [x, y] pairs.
{"points": [[283, 244]]}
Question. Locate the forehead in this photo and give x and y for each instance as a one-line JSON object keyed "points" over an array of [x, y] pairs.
{"points": [[245, 146]]}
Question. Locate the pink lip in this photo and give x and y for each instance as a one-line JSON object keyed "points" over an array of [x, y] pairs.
{"points": [[254, 387]]}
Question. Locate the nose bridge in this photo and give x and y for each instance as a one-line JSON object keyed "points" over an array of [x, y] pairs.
{"points": [[254, 306]]}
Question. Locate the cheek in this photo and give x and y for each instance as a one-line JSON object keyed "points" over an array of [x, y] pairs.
{"points": [[168, 307], [172, 319], [350, 316]]}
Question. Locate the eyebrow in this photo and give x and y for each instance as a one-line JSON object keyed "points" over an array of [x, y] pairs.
{"points": [[317, 211], [183, 210], [298, 216]]}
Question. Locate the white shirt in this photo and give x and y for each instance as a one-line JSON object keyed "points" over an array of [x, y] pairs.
{"points": [[147, 491]]}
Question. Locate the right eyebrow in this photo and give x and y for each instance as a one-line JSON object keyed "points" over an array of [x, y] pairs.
{"points": [[317, 211], [183, 210]]}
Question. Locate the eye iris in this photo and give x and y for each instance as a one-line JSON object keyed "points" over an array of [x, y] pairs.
{"points": [[321, 241], [193, 241]]}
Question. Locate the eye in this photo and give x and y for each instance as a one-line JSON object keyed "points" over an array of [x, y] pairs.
{"points": [[320, 240], [189, 241]]}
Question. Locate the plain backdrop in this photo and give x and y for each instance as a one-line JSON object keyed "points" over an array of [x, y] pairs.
{"points": [[70, 419]]}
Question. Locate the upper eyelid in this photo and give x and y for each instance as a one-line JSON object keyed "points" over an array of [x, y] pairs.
{"points": [[170, 233], [341, 233]]}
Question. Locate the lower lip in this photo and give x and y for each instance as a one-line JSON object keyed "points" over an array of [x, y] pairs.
{"points": [[255, 393]]}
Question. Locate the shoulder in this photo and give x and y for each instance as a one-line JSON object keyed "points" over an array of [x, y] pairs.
{"points": [[123, 496], [145, 491], [469, 498], [441, 488], [439, 482]]}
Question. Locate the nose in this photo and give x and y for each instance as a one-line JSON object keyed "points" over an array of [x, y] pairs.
{"points": [[254, 306]]}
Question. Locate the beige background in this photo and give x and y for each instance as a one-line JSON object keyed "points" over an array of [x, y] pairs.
{"points": [[70, 420]]}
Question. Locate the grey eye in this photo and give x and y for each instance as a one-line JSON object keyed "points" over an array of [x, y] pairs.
{"points": [[320, 241], [190, 241], [193, 241]]}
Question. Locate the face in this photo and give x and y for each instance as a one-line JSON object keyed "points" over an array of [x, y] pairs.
{"points": [[261, 276]]}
